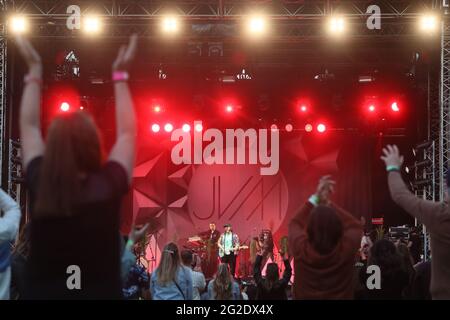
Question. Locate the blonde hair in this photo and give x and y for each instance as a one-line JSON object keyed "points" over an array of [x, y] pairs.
{"points": [[168, 265]]}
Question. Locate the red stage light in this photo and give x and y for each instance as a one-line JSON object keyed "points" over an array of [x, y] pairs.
{"points": [[274, 127], [198, 127], [394, 107], [321, 128], [81, 108], [157, 108], [186, 127], [155, 127], [289, 127], [229, 108], [64, 107], [168, 127], [303, 108], [371, 108], [308, 127]]}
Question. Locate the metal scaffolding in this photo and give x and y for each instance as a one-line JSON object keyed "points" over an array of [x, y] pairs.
{"points": [[3, 73], [444, 133]]}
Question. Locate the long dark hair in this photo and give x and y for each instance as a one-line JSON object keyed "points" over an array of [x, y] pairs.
{"points": [[272, 276], [223, 283], [73, 150], [324, 229]]}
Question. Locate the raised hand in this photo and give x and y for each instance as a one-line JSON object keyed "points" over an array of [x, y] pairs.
{"points": [[126, 55], [391, 156], [30, 55], [325, 189], [136, 235]]}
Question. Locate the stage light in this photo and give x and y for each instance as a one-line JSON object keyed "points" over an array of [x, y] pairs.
{"points": [[157, 108], [198, 127], [394, 107], [91, 24], [289, 127], [372, 108], [18, 24], [321, 128], [429, 23], [64, 107], [155, 127], [303, 108], [168, 127], [170, 24], [308, 127], [336, 25], [274, 127], [257, 25], [229, 108], [186, 127], [81, 108]]}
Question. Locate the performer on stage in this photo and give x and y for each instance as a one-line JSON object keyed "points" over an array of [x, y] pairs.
{"points": [[212, 237], [228, 248]]}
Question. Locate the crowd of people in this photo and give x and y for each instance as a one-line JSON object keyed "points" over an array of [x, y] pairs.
{"points": [[75, 195]]}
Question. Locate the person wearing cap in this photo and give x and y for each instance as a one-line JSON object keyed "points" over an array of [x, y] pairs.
{"points": [[228, 246]]}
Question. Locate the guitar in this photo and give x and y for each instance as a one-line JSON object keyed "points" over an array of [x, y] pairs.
{"points": [[227, 252]]}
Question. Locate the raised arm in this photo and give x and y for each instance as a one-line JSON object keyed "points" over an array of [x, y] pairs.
{"points": [[257, 269], [29, 121], [430, 213], [123, 150], [287, 274], [9, 223], [297, 226]]}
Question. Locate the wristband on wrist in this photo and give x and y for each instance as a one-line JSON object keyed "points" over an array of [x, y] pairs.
{"points": [[120, 76], [130, 243], [314, 200], [30, 79], [392, 168]]}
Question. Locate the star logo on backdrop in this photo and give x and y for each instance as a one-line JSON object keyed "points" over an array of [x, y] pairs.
{"points": [[160, 195]]}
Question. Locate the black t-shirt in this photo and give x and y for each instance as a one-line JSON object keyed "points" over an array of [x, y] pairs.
{"points": [[89, 239]]}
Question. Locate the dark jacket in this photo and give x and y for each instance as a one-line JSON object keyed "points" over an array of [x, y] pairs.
{"points": [[278, 290]]}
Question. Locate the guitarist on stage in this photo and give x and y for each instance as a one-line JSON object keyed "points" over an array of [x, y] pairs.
{"points": [[228, 247]]}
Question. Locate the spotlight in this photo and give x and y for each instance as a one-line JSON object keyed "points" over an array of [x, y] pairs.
{"points": [[186, 127], [308, 127], [198, 127], [168, 127], [336, 25], [229, 108], [289, 127], [372, 108], [394, 107], [170, 24], [92, 24], [157, 108], [257, 25], [429, 23], [64, 107], [18, 24], [274, 127], [321, 128], [303, 108], [155, 127], [81, 108]]}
